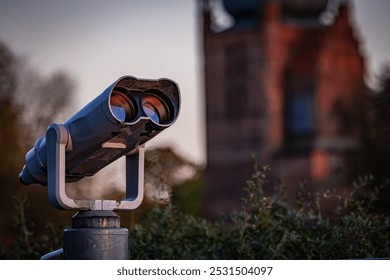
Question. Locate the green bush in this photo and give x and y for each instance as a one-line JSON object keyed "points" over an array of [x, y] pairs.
{"points": [[265, 228], [170, 234], [268, 228], [31, 243]]}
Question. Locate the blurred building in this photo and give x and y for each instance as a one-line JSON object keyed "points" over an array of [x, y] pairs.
{"points": [[281, 84]]}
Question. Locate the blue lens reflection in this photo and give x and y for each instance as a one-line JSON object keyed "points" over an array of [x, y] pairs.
{"points": [[152, 114], [119, 113]]}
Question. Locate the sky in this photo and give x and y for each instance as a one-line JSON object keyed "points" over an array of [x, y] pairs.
{"points": [[99, 41]]}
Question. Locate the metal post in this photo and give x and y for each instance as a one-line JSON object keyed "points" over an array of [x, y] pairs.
{"points": [[96, 235]]}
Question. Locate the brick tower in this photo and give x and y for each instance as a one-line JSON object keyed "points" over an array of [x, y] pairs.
{"points": [[279, 83]]}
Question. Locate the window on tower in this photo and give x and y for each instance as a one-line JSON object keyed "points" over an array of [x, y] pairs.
{"points": [[299, 113]]}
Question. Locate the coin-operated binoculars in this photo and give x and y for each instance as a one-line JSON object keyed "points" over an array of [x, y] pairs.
{"points": [[116, 123]]}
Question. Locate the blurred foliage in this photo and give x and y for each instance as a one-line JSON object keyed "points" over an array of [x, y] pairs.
{"points": [[29, 102], [32, 242], [42, 100], [166, 174], [188, 198], [268, 228], [168, 233], [170, 178]]}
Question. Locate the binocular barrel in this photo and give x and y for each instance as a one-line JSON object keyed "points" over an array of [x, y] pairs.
{"points": [[127, 114]]}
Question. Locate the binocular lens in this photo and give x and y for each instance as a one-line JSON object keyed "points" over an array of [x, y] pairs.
{"points": [[155, 108], [121, 107]]}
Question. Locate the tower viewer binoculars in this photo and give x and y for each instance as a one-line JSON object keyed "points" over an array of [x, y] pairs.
{"points": [[117, 123]]}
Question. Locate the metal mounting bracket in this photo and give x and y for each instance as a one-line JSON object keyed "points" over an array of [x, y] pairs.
{"points": [[57, 139]]}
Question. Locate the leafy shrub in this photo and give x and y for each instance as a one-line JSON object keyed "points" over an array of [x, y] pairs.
{"points": [[31, 242], [268, 228], [265, 228], [171, 234]]}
